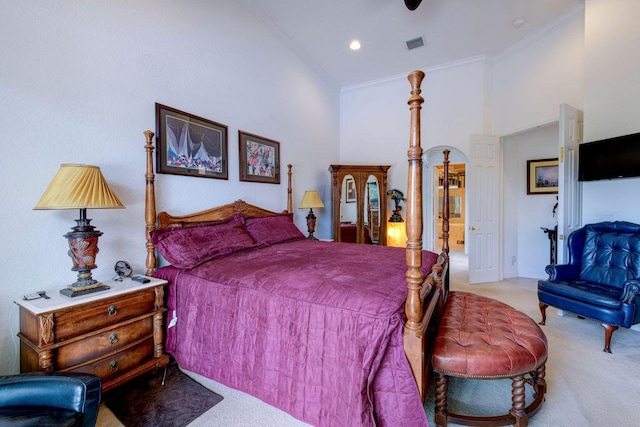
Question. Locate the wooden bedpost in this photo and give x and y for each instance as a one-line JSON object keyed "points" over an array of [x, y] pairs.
{"points": [[289, 189], [413, 333], [445, 205], [149, 203]]}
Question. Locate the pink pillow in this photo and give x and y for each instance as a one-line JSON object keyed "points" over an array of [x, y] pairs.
{"points": [[191, 246], [269, 230]]}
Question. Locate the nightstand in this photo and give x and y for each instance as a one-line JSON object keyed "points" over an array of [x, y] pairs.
{"points": [[116, 334]]}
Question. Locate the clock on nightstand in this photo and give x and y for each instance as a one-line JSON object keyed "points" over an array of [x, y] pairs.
{"points": [[123, 269], [116, 334]]}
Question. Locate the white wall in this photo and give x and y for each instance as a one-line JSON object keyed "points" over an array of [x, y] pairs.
{"points": [[530, 81], [525, 214], [533, 78], [611, 106], [78, 83], [521, 89], [374, 118]]}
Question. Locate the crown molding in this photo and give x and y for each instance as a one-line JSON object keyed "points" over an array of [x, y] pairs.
{"points": [[440, 67], [542, 32]]}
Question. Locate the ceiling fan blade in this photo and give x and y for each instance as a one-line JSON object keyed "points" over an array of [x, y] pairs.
{"points": [[412, 4]]}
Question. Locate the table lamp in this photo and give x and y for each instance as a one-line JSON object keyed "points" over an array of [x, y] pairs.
{"points": [[311, 200], [80, 187], [396, 229]]}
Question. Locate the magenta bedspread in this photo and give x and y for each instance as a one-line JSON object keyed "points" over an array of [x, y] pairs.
{"points": [[313, 328]]}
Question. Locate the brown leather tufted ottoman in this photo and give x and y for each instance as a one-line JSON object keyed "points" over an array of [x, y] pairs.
{"points": [[482, 338]]}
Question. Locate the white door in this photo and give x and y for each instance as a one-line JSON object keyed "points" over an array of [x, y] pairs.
{"points": [[569, 190], [484, 194]]}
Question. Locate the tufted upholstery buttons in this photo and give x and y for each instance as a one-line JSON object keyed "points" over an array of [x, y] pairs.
{"points": [[483, 338], [600, 280]]}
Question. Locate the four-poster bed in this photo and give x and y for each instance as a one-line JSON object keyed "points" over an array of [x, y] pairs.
{"points": [[327, 339]]}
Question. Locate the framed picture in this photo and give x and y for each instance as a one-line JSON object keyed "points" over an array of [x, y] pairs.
{"points": [[259, 158], [190, 145], [372, 188], [350, 190], [542, 176]]}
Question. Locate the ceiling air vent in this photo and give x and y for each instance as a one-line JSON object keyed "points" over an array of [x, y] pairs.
{"points": [[415, 43]]}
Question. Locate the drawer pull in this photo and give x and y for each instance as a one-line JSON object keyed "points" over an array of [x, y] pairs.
{"points": [[113, 338], [113, 365], [112, 310]]}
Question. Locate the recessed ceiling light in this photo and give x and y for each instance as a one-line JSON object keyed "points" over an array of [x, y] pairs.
{"points": [[355, 45], [518, 22]]}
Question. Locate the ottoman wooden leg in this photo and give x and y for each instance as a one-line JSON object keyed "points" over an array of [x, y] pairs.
{"points": [[442, 385], [540, 382], [518, 401]]}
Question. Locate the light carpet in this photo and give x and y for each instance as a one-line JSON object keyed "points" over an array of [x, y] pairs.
{"points": [[586, 387]]}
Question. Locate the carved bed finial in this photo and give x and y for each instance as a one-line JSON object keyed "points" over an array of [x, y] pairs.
{"points": [[239, 206]]}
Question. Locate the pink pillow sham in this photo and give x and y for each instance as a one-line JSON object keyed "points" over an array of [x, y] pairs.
{"points": [[191, 246], [269, 230]]}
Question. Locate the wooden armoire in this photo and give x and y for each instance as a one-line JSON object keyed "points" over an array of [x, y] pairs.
{"points": [[370, 214]]}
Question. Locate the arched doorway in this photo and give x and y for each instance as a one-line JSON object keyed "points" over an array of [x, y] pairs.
{"points": [[457, 198]]}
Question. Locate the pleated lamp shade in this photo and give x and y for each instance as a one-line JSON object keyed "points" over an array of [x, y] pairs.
{"points": [[311, 200], [78, 187]]}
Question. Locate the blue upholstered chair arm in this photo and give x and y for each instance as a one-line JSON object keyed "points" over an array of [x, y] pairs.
{"points": [[630, 290], [79, 393], [558, 272]]}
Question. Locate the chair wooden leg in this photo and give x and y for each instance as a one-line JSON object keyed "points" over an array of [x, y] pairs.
{"points": [[608, 332], [543, 310], [442, 386]]}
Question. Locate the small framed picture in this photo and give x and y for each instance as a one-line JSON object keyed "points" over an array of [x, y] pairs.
{"points": [[350, 190], [259, 159], [542, 176], [190, 145], [372, 189]]}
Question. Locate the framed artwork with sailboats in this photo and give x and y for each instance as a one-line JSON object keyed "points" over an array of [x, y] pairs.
{"points": [[190, 145]]}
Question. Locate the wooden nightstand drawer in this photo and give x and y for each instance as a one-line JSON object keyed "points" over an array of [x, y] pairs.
{"points": [[116, 334], [103, 313], [107, 342], [119, 363]]}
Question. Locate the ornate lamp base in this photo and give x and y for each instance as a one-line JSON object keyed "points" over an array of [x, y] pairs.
{"points": [[83, 248], [72, 291], [311, 225]]}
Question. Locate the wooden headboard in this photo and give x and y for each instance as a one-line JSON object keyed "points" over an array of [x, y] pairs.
{"points": [[163, 219]]}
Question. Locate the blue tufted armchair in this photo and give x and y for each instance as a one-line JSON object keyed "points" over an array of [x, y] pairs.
{"points": [[601, 280], [49, 399]]}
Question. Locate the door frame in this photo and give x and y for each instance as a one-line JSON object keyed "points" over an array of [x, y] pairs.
{"points": [[433, 157]]}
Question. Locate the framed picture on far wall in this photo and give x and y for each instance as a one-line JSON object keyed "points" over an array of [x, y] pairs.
{"points": [[542, 176], [259, 159], [350, 190], [190, 145]]}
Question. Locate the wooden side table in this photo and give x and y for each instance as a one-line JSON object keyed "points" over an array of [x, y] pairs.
{"points": [[115, 334]]}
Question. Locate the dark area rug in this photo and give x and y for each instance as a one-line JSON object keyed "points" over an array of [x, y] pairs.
{"points": [[145, 402]]}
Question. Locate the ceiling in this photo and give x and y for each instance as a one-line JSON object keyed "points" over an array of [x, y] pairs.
{"points": [[320, 31]]}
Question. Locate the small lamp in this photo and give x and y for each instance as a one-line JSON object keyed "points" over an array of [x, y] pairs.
{"points": [[311, 200], [396, 229], [80, 187], [397, 196]]}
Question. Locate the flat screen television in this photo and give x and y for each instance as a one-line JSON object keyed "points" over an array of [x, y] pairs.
{"points": [[611, 158]]}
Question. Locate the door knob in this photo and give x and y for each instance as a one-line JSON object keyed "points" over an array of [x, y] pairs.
{"points": [[474, 228]]}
